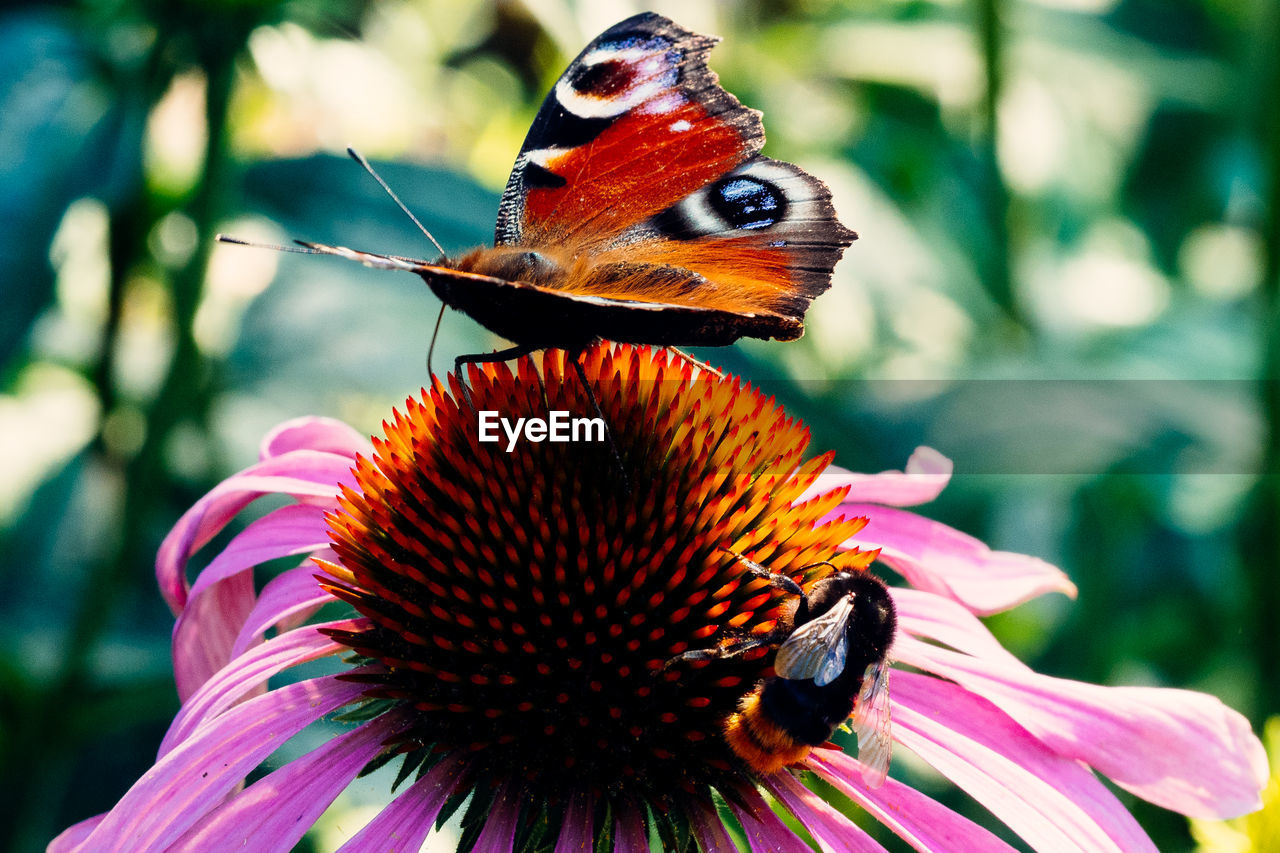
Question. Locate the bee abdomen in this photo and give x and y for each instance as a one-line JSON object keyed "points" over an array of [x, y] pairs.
{"points": [[807, 712], [759, 739]]}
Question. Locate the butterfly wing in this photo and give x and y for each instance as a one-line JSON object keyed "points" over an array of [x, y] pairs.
{"points": [[817, 649], [636, 123], [644, 176]]}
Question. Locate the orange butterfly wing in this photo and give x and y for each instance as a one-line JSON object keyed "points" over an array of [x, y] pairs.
{"points": [[641, 178], [636, 123]]}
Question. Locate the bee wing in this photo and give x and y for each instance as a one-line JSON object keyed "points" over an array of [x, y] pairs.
{"points": [[871, 724], [817, 649]]}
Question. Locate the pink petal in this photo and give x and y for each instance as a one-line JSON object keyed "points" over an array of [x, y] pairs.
{"points": [[275, 812], [927, 474], [499, 831], [834, 832], [1051, 802], [222, 597], [194, 777], [285, 602], [766, 833], [71, 838], [709, 830], [926, 614], [289, 530], [575, 832], [307, 475], [403, 825], [924, 823], [314, 433], [249, 672], [940, 559], [629, 835], [1179, 749], [206, 629]]}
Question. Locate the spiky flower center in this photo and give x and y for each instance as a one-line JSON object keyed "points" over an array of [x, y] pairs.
{"points": [[531, 607]]}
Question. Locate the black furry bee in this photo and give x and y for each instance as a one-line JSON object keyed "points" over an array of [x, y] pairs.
{"points": [[831, 664]]}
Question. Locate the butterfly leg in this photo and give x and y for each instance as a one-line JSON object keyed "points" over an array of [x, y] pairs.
{"points": [[431, 350], [486, 358], [613, 445], [701, 365]]}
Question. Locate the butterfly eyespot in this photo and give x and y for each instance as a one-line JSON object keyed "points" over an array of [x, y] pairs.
{"points": [[605, 79], [614, 77], [746, 202]]}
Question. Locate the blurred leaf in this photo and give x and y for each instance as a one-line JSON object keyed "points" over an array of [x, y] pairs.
{"points": [[65, 137], [330, 199], [327, 326], [1179, 178]]}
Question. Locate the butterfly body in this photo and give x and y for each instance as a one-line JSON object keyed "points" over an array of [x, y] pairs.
{"points": [[640, 210], [548, 298]]}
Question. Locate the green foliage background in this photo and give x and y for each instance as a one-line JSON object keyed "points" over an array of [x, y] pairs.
{"points": [[1066, 281]]}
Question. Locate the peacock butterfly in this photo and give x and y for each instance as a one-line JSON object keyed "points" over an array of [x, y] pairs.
{"points": [[640, 210]]}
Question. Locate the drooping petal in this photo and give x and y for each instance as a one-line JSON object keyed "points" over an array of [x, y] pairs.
{"points": [[71, 838], [272, 814], [940, 559], [287, 531], [194, 777], [287, 600], [628, 832], [575, 832], [1179, 749], [924, 823], [237, 680], [220, 600], [504, 814], [926, 614], [207, 628], [314, 433], [926, 474], [766, 833], [404, 824], [306, 475], [709, 830], [834, 832], [1051, 802]]}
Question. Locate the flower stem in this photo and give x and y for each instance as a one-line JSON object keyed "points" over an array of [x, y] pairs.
{"points": [[995, 272]]}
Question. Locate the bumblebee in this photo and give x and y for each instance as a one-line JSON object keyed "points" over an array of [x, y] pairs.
{"points": [[832, 663]]}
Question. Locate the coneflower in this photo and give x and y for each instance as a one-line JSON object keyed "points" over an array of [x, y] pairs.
{"points": [[559, 637]]}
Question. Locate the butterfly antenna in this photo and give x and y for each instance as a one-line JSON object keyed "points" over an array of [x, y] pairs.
{"points": [[431, 350], [359, 158], [297, 250]]}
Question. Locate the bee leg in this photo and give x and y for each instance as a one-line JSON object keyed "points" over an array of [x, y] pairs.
{"points": [[782, 582], [717, 652]]}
